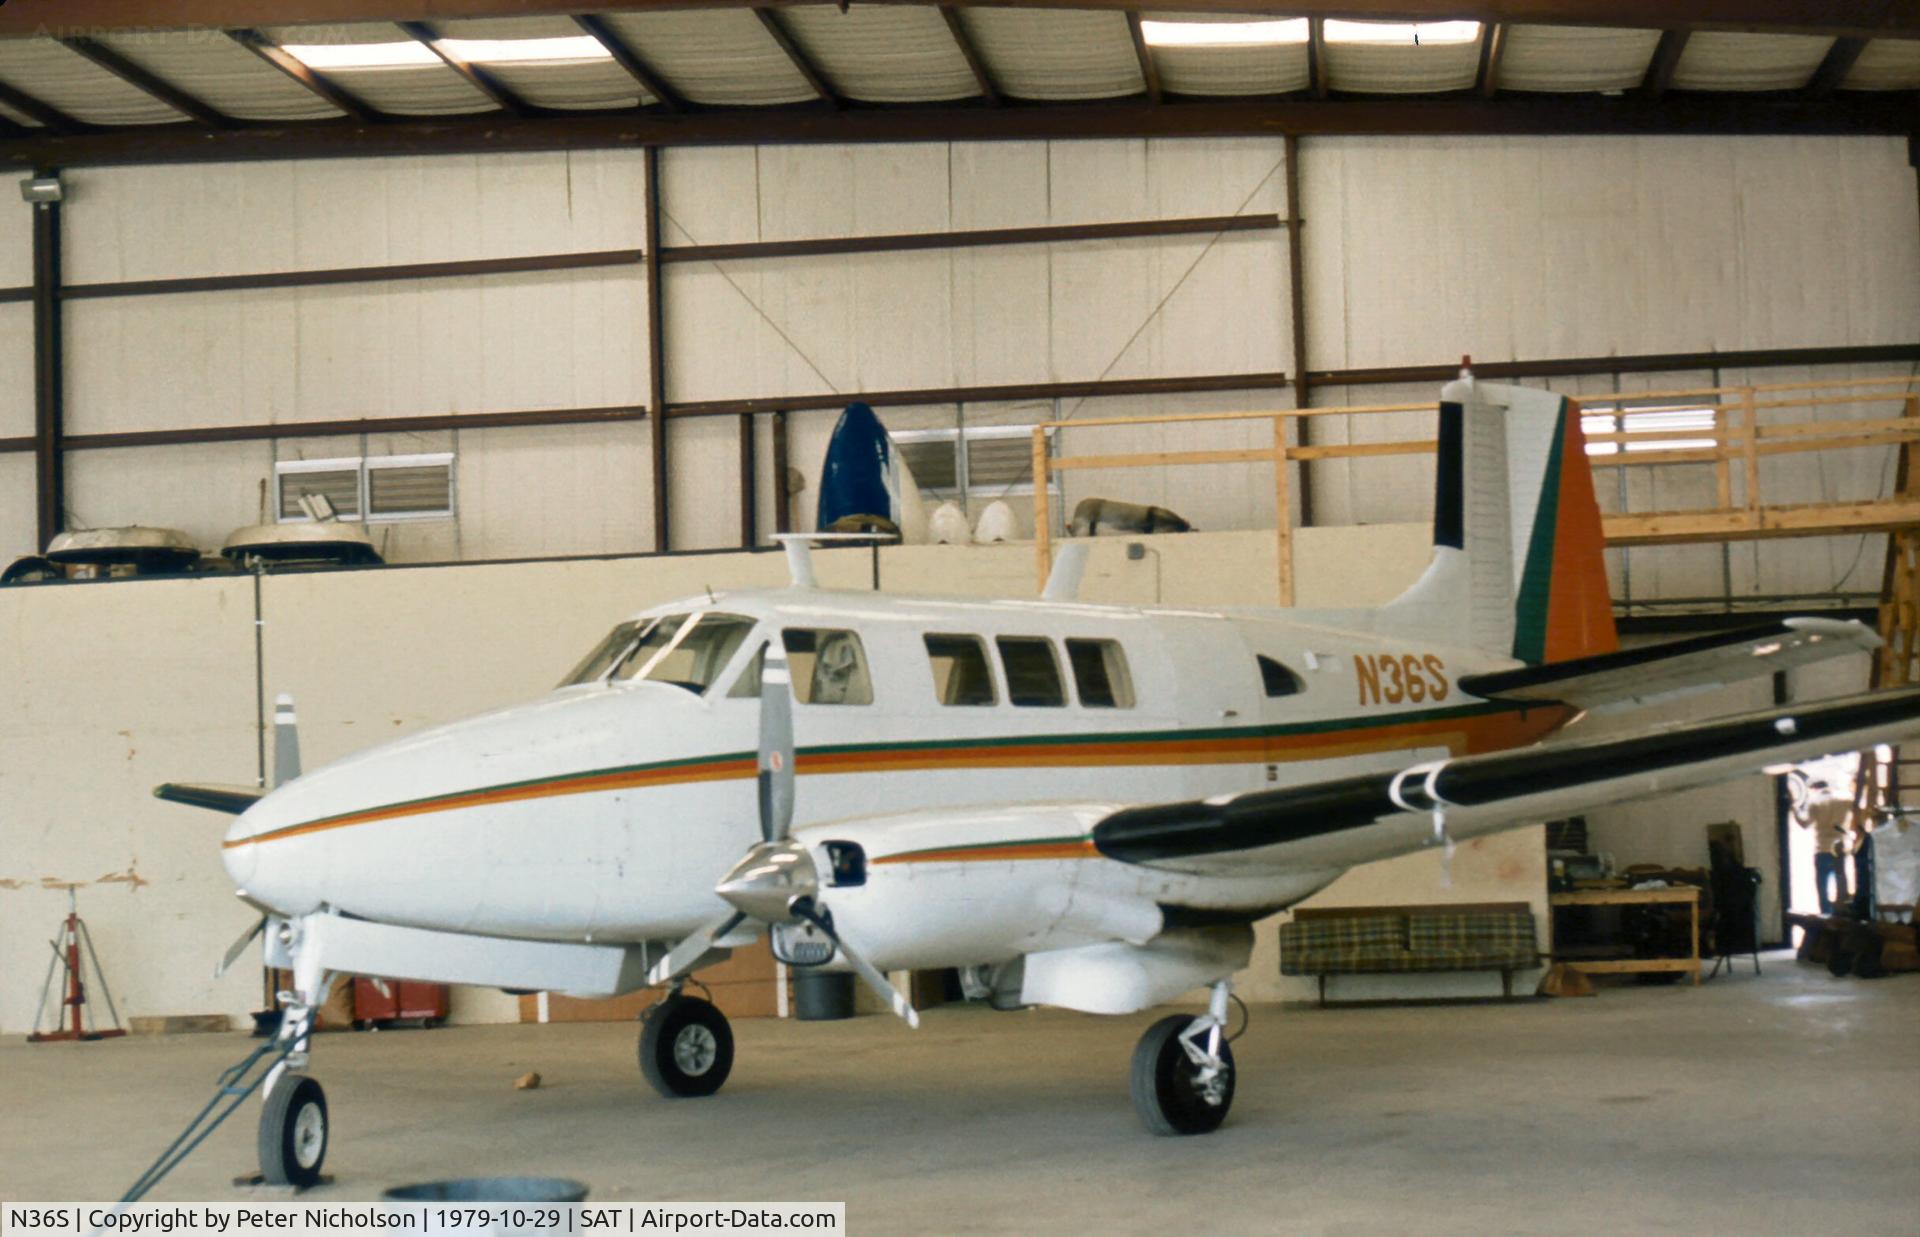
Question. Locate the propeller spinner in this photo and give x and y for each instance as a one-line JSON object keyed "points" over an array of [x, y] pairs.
{"points": [[776, 882]]}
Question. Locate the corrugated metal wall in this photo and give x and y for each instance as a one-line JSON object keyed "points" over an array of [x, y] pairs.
{"points": [[1417, 250]]}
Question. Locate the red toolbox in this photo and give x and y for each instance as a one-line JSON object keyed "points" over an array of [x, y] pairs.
{"points": [[403, 1001]]}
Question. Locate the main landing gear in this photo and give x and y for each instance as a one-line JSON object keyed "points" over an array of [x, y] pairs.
{"points": [[686, 1046], [1183, 1070]]}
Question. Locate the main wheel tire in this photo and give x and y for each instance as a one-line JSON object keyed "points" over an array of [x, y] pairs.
{"points": [[1166, 1089], [686, 1047], [293, 1132]]}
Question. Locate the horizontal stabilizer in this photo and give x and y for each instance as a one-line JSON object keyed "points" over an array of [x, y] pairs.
{"points": [[1632, 677], [1352, 820], [232, 800]]}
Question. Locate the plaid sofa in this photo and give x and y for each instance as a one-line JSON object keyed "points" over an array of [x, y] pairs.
{"points": [[1402, 939]]}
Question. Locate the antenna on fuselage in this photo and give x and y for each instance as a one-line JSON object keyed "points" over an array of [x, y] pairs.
{"points": [[799, 550]]}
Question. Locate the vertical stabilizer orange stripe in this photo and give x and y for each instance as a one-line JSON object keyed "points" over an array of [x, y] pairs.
{"points": [[1580, 605]]}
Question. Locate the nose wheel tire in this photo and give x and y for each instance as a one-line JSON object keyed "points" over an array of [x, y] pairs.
{"points": [[1170, 1091], [293, 1132], [686, 1047]]}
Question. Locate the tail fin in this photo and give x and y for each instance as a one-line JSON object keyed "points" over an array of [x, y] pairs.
{"points": [[1517, 545], [865, 484]]}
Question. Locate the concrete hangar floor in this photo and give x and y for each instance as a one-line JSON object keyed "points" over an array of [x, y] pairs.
{"points": [[1777, 1104]]}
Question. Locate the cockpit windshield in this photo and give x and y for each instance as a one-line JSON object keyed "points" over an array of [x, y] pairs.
{"points": [[593, 667], [686, 650]]}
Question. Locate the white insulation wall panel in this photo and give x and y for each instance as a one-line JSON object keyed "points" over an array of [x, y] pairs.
{"points": [[1029, 313], [18, 514], [16, 370], [236, 218], [551, 339], [1424, 249]]}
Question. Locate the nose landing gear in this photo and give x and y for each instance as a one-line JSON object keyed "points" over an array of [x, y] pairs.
{"points": [[686, 1046], [294, 1123], [1182, 1078]]}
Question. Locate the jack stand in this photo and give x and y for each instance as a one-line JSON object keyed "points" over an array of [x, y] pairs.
{"points": [[66, 952]]}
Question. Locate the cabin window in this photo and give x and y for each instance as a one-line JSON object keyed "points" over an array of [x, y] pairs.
{"points": [[1100, 672], [827, 666], [594, 666], [960, 672], [1277, 679], [1033, 675]]}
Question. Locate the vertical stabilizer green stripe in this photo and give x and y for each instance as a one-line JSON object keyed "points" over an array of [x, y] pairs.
{"points": [[1536, 581]]}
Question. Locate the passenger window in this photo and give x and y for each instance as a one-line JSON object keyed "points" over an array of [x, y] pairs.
{"points": [[827, 667], [1277, 679], [1100, 672], [1033, 676], [960, 673]]}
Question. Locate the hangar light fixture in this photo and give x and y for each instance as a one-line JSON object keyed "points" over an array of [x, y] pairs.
{"points": [[1423, 34], [528, 51], [407, 55], [1224, 33], [415, 55]]}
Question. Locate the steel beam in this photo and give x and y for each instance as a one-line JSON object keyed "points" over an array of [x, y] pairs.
{"points": [[799, 58], [1651, 363], [1297, 299], [1848, 112], [950, 13], [480, 78], [1666, 58], [318, 84], [656, 358], [351, 428], [49, 372], [982, 395], [148, 83], [1144, 54], [627, 58], [1884, 17], [1493, 46], [349, 274], [1317, 56], [782, 492], [749, 495], [1834, 68], [1205, 225], [35, 109]]}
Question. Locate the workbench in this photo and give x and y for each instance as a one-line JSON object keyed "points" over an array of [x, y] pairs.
{"points": [[1675, 895]]}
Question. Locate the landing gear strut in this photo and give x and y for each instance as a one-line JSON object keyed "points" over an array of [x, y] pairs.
{"points": [[686, 1046], [1183, 1070], [294, 1125]]}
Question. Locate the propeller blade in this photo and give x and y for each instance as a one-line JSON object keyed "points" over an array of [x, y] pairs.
{"points": [[240, 946], [684, 957], [286, 741], [776, 744], [863, 968]]}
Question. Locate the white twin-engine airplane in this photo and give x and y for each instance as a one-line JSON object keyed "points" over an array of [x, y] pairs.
{"points": [[1086, 806]]}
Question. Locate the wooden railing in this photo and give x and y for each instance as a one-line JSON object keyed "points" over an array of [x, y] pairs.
{"points": [[1746, 427]]}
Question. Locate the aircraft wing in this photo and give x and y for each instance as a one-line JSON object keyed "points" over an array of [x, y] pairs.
{"points": [[1352, 820], [219, 798], [1631, 677]]}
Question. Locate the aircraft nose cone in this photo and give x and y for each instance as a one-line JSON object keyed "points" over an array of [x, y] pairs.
{"points": [[769, 880]]}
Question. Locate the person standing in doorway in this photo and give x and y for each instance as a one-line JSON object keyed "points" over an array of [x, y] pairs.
{"points": [[1828, 811]]}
